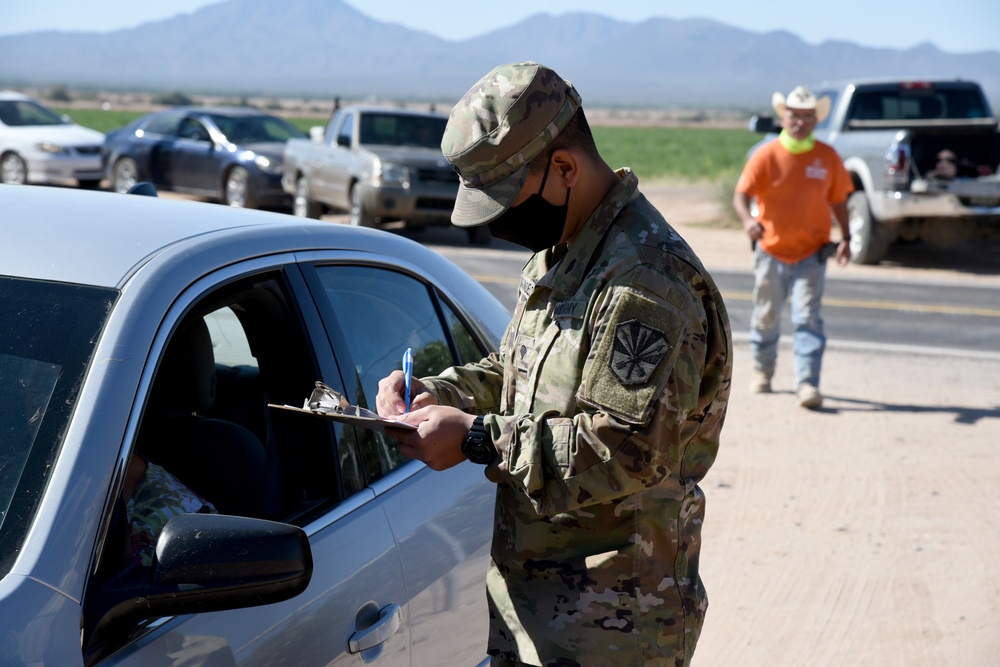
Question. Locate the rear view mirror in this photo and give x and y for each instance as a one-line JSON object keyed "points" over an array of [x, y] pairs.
{"points": [[763, 125]]}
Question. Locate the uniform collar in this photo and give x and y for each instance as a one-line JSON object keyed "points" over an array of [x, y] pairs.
{"points": [[563, 269]]}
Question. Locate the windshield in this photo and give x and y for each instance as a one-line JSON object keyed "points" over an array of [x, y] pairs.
{"points": [[918, 103], [255, 129], [19, 113], [48, 334], [388, 129]]}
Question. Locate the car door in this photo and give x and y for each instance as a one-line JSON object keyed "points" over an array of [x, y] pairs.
{"points": [[334, 169], [442, 521], [196, 163], [155, 148], [268, 347]]}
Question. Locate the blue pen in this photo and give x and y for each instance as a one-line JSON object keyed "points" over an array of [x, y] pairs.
{"points": [[408, 374]]}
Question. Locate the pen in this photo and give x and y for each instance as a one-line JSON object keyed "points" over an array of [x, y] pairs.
{"points": [[408, 374]]}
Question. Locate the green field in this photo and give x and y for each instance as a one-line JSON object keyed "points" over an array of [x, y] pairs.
{"points": [[654, 153]]}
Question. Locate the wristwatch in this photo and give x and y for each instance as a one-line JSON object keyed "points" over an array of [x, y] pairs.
{"points": [[478, 446]]}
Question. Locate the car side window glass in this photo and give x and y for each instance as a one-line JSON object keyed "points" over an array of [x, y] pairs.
{"points": [[193, 129], [166, 126], [382, 313], [332, 126], [346, 131]]}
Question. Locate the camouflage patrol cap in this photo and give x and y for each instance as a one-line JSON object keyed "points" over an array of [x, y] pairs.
{"points": [[495, 130]]}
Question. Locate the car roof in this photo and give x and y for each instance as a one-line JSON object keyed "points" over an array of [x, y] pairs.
{"points": [[891, 81], [104, 238], [13, 95]]}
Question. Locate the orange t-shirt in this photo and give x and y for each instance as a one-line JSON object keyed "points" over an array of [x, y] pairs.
{"points": [[794, 194]]}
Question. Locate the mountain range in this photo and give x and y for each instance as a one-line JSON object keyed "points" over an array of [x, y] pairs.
{"points": [[326, 48]]}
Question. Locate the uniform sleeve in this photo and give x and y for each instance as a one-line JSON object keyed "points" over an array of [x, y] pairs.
{"points": [[473, 388], [651, 383]]}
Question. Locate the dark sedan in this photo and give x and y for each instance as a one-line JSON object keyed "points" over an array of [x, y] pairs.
{"points": [[235, 155]]}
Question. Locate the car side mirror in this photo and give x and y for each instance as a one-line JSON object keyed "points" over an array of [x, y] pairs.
{"points": [[343, 141], [763, 125], [204, 562]]}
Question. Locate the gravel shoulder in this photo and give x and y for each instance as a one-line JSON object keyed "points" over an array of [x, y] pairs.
{"points": [[865, 533]]}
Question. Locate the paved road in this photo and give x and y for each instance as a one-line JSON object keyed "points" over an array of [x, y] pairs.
{"points": [[883, 312]]}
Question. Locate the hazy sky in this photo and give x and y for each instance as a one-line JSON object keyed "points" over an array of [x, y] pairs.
{"points": [[956, 26]]}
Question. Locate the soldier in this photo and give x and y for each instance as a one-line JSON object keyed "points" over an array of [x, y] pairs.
{"points": [[602, 411]]}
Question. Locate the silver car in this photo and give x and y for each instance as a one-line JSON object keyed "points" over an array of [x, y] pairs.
{"points": [[136, 326]]}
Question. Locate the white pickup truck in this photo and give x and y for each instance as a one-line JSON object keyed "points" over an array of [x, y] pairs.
{"points": [[889, 134], [379, 164]]}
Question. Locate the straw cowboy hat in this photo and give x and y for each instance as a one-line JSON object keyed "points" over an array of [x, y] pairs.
{"points": [[801, 98]]}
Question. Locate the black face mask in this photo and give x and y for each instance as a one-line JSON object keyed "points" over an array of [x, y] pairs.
{"points": [[535, 223]]}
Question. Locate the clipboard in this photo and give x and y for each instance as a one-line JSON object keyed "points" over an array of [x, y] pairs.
{"points": [[331, 404], [375, 423]]}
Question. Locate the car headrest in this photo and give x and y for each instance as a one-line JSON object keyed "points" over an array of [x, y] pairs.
{"points": [[186, 379]]}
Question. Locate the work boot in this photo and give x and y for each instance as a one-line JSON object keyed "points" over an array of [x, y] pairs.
{"points": [[809, 396], [761, 383]]}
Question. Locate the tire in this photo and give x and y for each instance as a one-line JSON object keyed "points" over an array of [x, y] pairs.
{"points": [[359, 217], [302, 206], [124, 175], [868, 240], [237, 190], [13, 170]]}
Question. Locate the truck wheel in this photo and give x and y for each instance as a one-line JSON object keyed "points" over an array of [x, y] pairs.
{"points": [[304, 207], [13, 171], [868, 243], [238, 190], [359, 216]]}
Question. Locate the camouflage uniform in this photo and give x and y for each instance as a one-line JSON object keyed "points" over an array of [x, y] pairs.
{"points": [[156, 499], [606, 402]]}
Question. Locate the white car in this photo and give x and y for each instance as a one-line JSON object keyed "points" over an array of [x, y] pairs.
{"points": [[39, 146]]}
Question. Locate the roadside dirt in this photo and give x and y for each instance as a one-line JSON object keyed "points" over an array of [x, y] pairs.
{"points": [[868, 532]]}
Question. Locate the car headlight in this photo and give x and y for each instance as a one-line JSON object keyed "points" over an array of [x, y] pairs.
{"points": [[48, 147], [390, 173], [269, 165]]}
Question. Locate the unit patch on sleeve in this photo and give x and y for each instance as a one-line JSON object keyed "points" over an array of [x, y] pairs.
{"points": [[633, 354], [636, 352]]}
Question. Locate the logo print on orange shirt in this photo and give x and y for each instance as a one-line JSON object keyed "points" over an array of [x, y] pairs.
{"points": [[816, 170]]}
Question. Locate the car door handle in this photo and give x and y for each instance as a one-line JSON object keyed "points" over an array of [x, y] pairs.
{"points": [[389, 619]]}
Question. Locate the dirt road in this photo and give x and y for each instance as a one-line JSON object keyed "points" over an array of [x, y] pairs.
{"points": [[867, 533]]}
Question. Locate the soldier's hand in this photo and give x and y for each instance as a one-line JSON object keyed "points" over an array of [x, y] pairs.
{"points": [[391, 399], [441, 430]]}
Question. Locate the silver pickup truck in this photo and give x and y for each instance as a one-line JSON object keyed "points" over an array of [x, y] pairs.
{"points": [[889, 134], [380, 164]]}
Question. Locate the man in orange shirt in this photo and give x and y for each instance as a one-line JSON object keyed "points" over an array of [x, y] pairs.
{"points": [[797, 181]]}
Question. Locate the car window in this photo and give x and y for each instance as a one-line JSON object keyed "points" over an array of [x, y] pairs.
{"points": [[167, 125], [241, 129], [193, 129], [48, 333], [331, 126], [381, 313], [389, 129], [346, 131], [17, 113]]}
